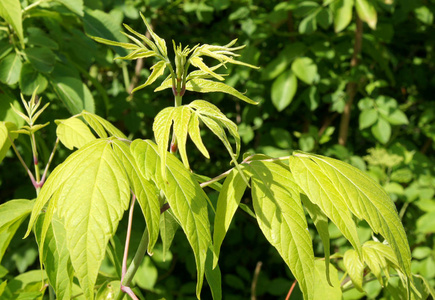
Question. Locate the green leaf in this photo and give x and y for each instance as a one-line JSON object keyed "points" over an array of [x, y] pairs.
{"points": [[145, 191], [73, 132], [162, 127], [208, 86], [198, 62], [367, 118], [160, 43], [324, 290], [342, 11], [56, 258], [367, 12], [213, 276], [42, 58], [229, 198], [101, 125], [355, 268], [305, 69], [281, 62], [284, 89], [379, 257], [75, 6], [187, 200], [12, 214], [30, 79], [89, 192], [195, 135], [168, 228], [181, 126], [320, 190], [382, 130], [10, 10], [74, 94], [157, 70], [397, 117], [281, 217], [101, 24], [5, 144], [356, 192], [10, 69]]}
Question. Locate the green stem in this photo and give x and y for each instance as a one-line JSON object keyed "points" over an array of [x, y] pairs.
{"points": [[35, 162], [22, 162], [137, 259], [125, 75]]}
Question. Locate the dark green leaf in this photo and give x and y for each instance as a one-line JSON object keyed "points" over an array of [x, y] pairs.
{"points": [[30, 79], [42, 58]]}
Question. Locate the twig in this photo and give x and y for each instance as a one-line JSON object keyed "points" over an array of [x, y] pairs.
{"points": [[255, 280], [291, 290], [127, 239], [35, 184], [44, 175]]}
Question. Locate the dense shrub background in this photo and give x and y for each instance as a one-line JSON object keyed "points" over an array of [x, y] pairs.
{"points": [[313, 75]]}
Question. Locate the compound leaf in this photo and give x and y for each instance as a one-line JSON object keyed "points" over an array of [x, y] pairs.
{"points": [[187, 200], [90, 192], [100, 124], [281, 217], [73, 132], [324, 179], [157, 70]]}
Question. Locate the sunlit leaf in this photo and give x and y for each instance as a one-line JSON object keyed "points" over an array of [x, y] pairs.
{"points": [[57, 261], [160, 43], [198, 62], [10, 69], [281, 217], [187, 200], [209, 86], [6, 129], [195, 135], [342, 11], [283, 90], [324, 289], [157, 70], [305, 69], [181, 127], [146, 192], [162, 127], [328, 181], [367, 12], [73, 132], [355, 268], [10, 10], [89, 192], [101, 125], [229, 198], [75, 6]]}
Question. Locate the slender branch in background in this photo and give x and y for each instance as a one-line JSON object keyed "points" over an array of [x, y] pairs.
{"points": [[44, 175], [136, 75], [352, 86], [255, 280], [127, 239], [35, 184], [291, 290]]}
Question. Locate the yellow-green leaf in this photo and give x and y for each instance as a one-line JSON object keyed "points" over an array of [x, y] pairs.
{"points": [[157, 70], [160, 43], [281, 217], [181, 125], [6, 128], [367, 12], [195, 135], [100, 125], [355, 268], [342, 11], [162, 127], [209, 86], [198, 62], [10, 10], [187, 200], [73, 132]]}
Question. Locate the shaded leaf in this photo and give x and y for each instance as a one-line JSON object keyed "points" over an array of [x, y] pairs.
{"points": [[30, 79], [168, 228], [283, 90], [10, 69], [75, 6], [367, 118], [305, 69], [187, 200], [42, 58], [281, 217], [73, 132], [382, 130]]}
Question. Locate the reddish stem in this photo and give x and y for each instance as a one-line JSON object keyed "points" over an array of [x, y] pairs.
{"points": [[291, 290]]}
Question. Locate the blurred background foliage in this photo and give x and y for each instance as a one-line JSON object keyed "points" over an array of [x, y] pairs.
{"points": [[348, 79]]}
